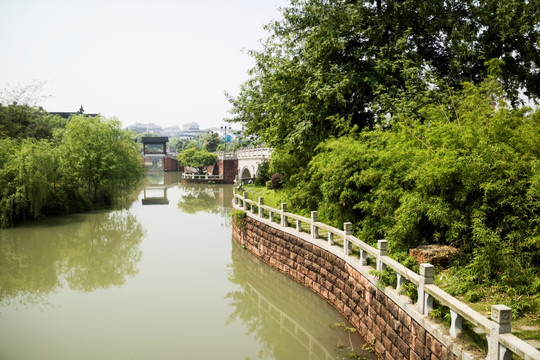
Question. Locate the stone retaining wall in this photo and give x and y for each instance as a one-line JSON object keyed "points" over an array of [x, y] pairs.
{"points": [[393, 333]]}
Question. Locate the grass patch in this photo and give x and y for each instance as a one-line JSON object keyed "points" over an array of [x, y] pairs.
{"points": [[272, 198]]}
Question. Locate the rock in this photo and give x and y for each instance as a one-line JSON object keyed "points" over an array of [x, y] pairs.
{"points": [[436, 255]]}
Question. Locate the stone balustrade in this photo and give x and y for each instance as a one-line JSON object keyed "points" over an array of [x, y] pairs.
{"points": [[501, 343], [201, 176]]}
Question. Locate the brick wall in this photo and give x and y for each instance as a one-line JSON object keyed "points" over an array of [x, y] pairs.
{"points": [[381, 322], [228, 168], [170, 164]]}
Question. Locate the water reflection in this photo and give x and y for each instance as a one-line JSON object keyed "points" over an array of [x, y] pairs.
{"points": [[157, 184], [278, 312], [85, 252], [205, 198]]}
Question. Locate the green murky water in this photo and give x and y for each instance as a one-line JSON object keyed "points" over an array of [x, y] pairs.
{"points": [[161, 280]]}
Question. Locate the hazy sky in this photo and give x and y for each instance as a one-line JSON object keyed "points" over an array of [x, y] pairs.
{"points": [[163, 61]]}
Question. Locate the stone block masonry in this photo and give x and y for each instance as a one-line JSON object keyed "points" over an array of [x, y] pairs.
{"points": [[392, 332]]}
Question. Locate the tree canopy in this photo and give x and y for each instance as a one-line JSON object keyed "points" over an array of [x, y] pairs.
{"points": [[405, 117], [330, 67], [196, 158], [70, 166], [467, 175]]}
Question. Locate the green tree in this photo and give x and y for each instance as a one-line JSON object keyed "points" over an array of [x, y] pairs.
{"points": [[329, 68], [98, 157], [23, 121], [211, 142], [195, 158], [466, 174], [177, 144]]}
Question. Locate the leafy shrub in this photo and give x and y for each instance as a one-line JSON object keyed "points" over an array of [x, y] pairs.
{"points": [[264, 174], [239, 219], [464, 173], [276, 182]]}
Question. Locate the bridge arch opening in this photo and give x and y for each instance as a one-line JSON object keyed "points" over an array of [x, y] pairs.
{"points": [[245, 175]]}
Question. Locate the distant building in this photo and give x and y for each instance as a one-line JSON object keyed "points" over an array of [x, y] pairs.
{"points": [[171, 131], [149, 127], [189, 127]]}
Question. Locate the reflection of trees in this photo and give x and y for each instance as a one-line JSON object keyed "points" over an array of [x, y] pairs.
{"points": [[205, 198], [98, 251], [202, 201], [105, 252], [288, 320]]}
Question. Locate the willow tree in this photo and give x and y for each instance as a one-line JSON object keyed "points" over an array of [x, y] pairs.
{"points": [[99, 158]]}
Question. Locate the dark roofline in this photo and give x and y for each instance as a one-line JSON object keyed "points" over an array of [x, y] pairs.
{"points": [[154, 139], [66, 115]]}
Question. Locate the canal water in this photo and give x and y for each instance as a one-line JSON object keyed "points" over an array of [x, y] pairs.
{"points": [[162, 279]]}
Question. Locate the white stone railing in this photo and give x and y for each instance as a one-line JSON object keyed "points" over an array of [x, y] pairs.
{"points": [[227, 155], [501, 343], [201, 176], [256, 153]]}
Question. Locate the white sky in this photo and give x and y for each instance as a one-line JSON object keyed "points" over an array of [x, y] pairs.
{"points": [[163, 61]]}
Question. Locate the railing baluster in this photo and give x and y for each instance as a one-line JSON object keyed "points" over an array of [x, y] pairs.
{"points": [[283, 216], [314, 228], [425, 301], [363, 257], [261, 203], [382, 246], [347, 230], [400, 282], [244, 195], [456, 323]]}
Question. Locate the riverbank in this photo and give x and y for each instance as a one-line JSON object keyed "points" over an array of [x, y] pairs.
{"points": [[526, 324]]}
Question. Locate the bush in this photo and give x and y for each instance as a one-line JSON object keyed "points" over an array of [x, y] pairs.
{"points": [[276, 182], [239, 219], [264, 174], [466, 174]]}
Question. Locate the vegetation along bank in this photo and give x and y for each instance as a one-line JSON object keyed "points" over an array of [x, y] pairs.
{"points": [[52, 166], [406, 118]]}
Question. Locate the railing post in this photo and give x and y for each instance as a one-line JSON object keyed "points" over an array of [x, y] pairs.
{"points": [[363, 257], [456, 323], [298, 226], [425, 301], [314, 228], [501, 316], [400, 282], [261, 203], [382, 246], [330, 238], [245, 204], [347, 230], [283, 216]]}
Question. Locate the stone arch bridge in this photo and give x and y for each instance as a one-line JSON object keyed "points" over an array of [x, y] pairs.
{"points": [[247, 163]]}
